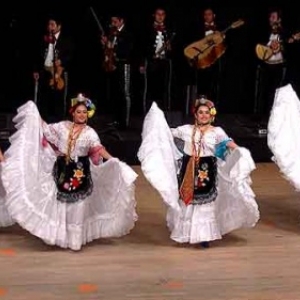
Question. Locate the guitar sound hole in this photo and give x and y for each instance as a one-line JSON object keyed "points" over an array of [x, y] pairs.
{"points": [[210, 42]]}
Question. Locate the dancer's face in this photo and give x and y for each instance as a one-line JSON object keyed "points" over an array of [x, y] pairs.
{"points": [[203, 115], [80, 114]]}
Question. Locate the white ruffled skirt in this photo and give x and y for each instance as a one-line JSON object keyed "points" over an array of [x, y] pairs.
{"points": [[31, 192], [284, 134], [5, 218], [235, 206]]}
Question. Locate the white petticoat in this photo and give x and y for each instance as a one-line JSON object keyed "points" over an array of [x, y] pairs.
{"points": [[234, 208], [284, 134], [5, 218], [31, 192]]}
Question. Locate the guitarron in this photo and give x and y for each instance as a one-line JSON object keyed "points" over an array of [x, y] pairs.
{"points": [[204, 53]]}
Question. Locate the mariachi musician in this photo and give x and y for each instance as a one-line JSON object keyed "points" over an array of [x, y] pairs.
{"points": [[208, 80], [51, 70], [118, 52], [271, 71], [156, 61]]}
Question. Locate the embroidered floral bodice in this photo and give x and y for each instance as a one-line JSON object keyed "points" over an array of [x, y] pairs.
{"points": [[58, 135], [209, 140]]}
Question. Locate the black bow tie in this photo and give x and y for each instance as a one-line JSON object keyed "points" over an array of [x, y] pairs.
{"points": [[210, 27]]}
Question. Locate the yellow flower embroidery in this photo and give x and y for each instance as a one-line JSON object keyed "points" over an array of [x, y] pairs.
{"points": [[78, 174], [203, 175]]}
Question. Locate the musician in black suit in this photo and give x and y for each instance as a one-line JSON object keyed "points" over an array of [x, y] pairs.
{"points": [[118, 48], [271, 73], [156, 61], [53, 61], [208, 80]]}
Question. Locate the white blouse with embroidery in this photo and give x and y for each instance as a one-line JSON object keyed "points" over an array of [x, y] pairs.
{"points": [[58, 134], [209, 141]]}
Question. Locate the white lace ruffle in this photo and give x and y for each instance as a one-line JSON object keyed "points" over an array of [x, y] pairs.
{"points": [[284, 134], [31, 192], [234, 208], [5, 218]]}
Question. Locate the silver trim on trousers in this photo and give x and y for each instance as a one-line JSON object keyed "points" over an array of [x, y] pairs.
{"points": [[127, 94]]}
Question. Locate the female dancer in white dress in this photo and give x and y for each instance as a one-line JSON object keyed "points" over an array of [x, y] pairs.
{"points": [[57, 186], [213, 176], [284, 134]]}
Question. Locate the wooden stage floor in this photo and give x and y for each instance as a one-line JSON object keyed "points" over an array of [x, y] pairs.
{"points": [[257, 264]]}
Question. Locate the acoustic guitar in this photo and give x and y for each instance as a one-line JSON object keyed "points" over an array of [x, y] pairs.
{"points": [[204, 53], [264, 52]]}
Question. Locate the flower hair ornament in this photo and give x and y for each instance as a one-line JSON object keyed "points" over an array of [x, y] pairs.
{"points": [[205, 102], [81, 99]]}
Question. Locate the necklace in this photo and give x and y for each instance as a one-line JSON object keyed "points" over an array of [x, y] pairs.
{"points": [[72, 139], [197, 150]]}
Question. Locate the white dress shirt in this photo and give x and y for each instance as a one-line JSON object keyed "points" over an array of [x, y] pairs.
{"points": [[50, 52]]}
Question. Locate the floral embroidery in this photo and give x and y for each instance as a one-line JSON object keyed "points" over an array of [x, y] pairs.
{"points": [[78, 173], [74, 184], [203, 176], [76, 180]]}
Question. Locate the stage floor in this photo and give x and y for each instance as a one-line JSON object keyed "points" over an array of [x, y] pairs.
{"points": [[256, 264]]}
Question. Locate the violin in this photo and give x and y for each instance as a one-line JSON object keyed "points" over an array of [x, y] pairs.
{"points": [[109, 64], [56, 82]]}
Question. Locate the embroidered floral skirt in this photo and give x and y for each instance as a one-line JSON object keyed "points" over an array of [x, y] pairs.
{"points": [[73, 179], [205, 179]]}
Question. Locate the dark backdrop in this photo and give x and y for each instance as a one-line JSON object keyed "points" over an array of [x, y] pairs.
{"points": [[23, 25]]}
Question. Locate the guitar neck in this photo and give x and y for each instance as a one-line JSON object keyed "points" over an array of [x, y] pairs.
{"points": [[226, 29], [233, 26]]}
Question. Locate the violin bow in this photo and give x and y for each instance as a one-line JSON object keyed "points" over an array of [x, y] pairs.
{"points": [[36, 90], [97, 21]]}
